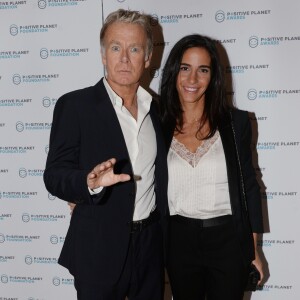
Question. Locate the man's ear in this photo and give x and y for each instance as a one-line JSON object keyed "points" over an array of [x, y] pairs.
{"points": [[148, 60], [103, 56]]}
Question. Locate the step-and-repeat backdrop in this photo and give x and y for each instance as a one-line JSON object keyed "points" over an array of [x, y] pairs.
{"points": [[50, 47]]}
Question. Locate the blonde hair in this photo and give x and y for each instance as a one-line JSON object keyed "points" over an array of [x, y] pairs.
{"points": [[131, 17]]}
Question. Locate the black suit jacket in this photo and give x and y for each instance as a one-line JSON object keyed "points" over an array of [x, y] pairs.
{"points": [[247, 216], [85, 132]]}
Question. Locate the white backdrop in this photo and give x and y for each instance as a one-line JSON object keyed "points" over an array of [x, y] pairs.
{"points": [[49, 47]]}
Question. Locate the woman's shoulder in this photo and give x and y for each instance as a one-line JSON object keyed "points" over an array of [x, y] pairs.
{"points": [[240, 116]]}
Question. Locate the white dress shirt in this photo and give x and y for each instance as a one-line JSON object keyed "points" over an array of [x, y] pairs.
{"points": [[141, 144]]}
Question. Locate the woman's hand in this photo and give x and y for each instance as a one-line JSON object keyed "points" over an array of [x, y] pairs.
{"points": [[257, 262]]}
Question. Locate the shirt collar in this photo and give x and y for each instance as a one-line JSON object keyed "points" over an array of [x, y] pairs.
{"points": [[143, 97]]}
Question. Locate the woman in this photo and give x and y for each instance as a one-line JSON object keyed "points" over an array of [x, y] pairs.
{"points": [[212, 233]]}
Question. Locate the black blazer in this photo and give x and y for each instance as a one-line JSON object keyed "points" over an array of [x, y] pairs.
{"points": [[85, 132], [247, 217]]}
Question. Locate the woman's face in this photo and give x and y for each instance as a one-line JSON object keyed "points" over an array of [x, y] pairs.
{"points": [[194, 75]]}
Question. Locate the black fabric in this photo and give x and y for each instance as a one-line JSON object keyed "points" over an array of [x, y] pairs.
{"points": [[240, 217], [205, 262], [142, 275], [85, 132]]}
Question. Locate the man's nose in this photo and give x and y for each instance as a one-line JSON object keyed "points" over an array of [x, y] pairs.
{"points": [[124, 56]]}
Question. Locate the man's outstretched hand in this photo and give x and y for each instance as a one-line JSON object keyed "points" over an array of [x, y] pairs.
{"points": [[103, 175]]}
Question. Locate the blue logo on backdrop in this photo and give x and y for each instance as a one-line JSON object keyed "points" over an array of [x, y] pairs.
{"points": [[2, 238], [21, 238], [44, 53], [252, 94], [14, 102], [16, 79], [64, 281], [13, 29], [220, 16], [25, 217], [15, 150], [22, 172], [28, 260], [46, 102], [176, 18], [30, 172], [42, 4], [34, 28], [267, 94], [33, 78], [56, 281], [13, 54], [19, 126], [54, 239], [11, 5], [4, 278], [253, 41]]}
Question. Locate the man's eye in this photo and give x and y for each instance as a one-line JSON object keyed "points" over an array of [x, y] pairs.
{"points": [[115, 48], [134, 49]]}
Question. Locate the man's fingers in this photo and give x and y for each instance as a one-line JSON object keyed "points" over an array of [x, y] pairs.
{"points": [[123, 177], [104, 166]]}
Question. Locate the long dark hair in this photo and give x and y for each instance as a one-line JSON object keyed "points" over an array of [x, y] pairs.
{"points": [[215, 99]]}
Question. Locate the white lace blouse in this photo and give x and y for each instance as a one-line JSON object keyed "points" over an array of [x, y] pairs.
{"points": [[198, 184]]}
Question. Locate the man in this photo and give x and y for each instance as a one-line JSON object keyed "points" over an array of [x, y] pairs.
{"points": [[107, 156]]}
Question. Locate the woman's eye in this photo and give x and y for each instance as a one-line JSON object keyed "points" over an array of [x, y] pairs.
{"points": [[184, 68], [204, 70]]}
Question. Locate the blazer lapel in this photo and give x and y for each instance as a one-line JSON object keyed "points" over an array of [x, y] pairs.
{"points": [[110, 121], [226, 134]]}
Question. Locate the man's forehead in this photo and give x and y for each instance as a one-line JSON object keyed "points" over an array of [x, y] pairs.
{"points": [[117, 42]]}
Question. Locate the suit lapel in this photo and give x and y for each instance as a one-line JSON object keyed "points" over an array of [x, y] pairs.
{"points": [[226, 134], [112, 125]]}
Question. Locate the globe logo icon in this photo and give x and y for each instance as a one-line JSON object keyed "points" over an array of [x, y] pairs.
{"points": [[253, 41], [13, 29], [42, 4], [44, 53], [56, 281], [220, 16], [25, 217], [252, 94], [22, 172], [46, 101], [16, 79], [4, 278], [28, 260], [53, 239]]}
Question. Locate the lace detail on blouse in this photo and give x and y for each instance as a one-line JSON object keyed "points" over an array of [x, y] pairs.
{"points": [[193, 158]]}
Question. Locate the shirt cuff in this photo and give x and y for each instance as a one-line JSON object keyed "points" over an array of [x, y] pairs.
{"points": [[95, 191]]}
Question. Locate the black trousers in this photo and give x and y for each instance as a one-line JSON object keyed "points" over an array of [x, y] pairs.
{"points": [[143, 274], [205, 262]]}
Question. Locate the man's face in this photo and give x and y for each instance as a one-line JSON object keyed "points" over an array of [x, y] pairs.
{"points": [[124, 54]]}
